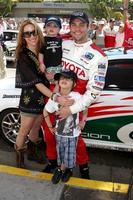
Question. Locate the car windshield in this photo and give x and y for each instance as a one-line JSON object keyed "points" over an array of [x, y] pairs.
{"points": [[9, 36], [118, 51]]}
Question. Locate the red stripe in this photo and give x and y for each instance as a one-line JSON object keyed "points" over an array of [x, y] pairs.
{"points": [[128, 98], [103, 110], [94, 46]]}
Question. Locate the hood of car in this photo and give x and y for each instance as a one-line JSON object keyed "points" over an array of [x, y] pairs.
{"points": [[10, 45], [119, 52]]}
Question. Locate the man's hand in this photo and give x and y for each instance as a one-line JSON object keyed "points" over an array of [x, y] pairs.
{"points": [[130, 41], [65, 101], [63, 113]]}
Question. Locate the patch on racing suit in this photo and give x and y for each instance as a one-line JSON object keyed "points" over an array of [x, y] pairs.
{"points": [[87, 57], [65, 50], [93, 95], [99, 78], [97, 88], [102, 68]]}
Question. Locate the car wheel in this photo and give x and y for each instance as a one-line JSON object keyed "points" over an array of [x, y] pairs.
{"points": [[9, 125]]}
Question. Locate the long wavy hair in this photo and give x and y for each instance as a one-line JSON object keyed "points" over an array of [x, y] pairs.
{"points": [[21, 42]]}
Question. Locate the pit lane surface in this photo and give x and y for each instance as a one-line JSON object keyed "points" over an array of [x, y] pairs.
{"points": [[110, 173]]}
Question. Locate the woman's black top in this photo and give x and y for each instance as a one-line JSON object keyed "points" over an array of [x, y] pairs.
{"points": [[27, 76]]}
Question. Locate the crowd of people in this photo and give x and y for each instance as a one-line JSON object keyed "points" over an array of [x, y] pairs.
{"points": [[60, 77], [111, 34]]}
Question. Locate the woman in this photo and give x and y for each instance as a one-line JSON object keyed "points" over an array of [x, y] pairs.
{"points": [[34, 87]]}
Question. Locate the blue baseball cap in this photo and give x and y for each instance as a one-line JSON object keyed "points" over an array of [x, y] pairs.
{"points": [[54, 19], [79, 15], [66, 73]]}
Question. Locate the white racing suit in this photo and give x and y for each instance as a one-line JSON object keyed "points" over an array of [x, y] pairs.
{"points": [[90, 63]]}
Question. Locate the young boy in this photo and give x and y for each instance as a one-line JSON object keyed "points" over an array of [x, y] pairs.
{"points": [[66, 130], [51, 53]]}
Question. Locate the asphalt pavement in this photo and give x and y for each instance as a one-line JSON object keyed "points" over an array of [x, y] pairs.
{"points": [[21, 184], [109, 179]]}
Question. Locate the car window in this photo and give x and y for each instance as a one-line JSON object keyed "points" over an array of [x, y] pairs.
{"points": [[119, 75], [10, 36]]}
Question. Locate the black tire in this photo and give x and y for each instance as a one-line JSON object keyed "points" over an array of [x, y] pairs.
{"points": [[9, 125]]}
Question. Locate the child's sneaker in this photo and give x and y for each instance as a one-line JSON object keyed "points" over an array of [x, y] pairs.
{"points": [[57, 176], [66, 175]]}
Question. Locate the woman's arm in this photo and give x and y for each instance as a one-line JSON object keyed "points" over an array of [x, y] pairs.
{"points": [[44, 90]]}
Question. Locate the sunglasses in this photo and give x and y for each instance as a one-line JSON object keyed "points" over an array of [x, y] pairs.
{"points": [[28, 34]]}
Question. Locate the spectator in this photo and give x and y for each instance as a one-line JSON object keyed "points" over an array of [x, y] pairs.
{"points": [[100, 34], [110, 34], [92, 30], [128, 30], [120, 36]]}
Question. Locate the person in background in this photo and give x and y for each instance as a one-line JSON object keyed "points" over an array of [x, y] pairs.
{"points": [[120, 36], [34, 89], [128, 31], [2, 63], [110, 34], [100, 34], [66, 131], [92, 30]]}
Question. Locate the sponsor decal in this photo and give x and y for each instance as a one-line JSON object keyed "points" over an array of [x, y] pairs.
{"points": [[88, 56], [101, 69], [101, 66], [65, 50], [97, 88], [99, 78], [78, 70], [93, 95], [10, 96], [98, 83], [97, 136]]}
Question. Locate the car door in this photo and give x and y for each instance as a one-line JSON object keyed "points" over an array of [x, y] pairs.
{"points": [[110, 119]]}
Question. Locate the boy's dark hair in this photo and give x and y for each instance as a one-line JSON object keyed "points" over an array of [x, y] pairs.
{"points": [[54, 19], [66, 73]]}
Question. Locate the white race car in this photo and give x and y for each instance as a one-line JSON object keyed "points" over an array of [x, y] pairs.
{"points": [[9, 43], [110, 119]]}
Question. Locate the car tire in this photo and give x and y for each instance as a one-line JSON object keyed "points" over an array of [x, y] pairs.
{"points": [[9, 125]]}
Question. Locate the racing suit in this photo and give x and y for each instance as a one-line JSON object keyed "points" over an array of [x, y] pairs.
{"points": [[128, 29], [90, 64], [109, 37]]}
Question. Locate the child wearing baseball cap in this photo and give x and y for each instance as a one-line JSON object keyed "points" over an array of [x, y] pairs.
{"points": [[51, 53], [67, 130]]}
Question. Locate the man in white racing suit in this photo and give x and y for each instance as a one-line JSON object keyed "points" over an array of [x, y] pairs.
{"points": [[90, 63]]}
